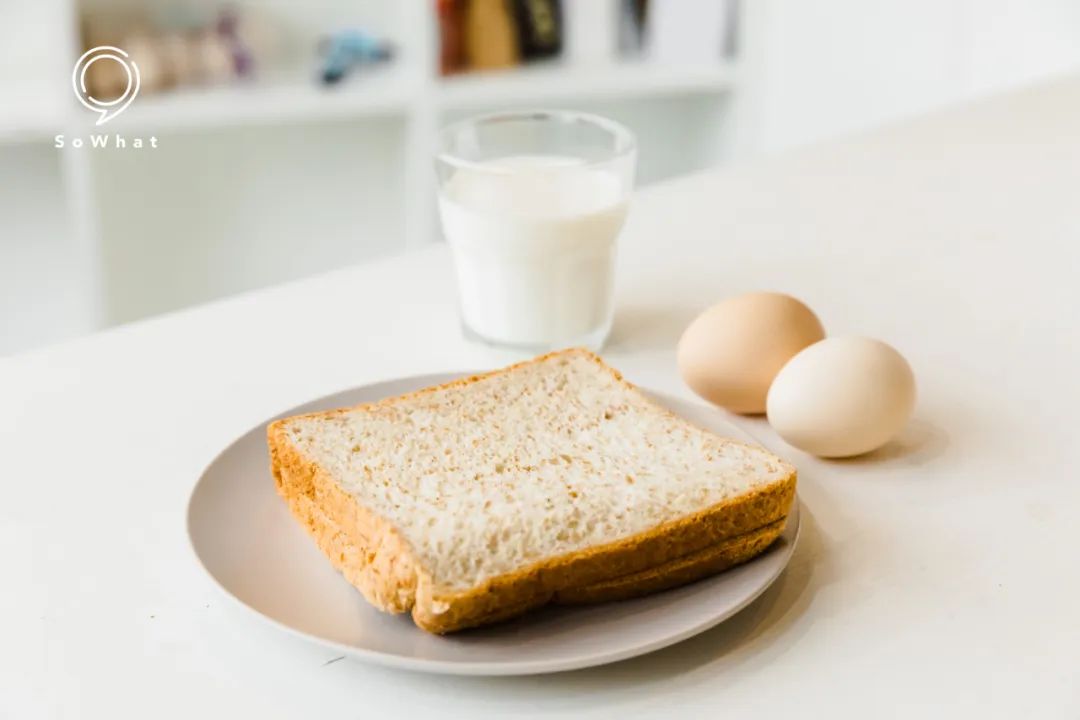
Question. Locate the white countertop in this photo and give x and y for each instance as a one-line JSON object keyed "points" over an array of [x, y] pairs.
{"points": [[936, 577]]}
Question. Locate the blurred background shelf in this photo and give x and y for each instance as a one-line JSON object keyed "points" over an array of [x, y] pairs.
{"points": [[265, 103], [381, 92], [269, 102], [560, 81]]}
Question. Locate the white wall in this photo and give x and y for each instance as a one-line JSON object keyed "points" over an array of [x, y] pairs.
{"points": [[825, 68]]}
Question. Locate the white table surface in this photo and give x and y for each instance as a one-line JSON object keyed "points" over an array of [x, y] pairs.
{"points": [[937, 577]]}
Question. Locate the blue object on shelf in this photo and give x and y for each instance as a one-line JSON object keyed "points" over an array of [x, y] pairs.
{"points": [[349, 49]]}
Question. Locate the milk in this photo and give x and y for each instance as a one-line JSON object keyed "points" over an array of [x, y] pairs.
{"points": [[533, 240]]}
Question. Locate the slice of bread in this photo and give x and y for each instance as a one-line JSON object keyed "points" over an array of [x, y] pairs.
{"points": [[477, 500]]}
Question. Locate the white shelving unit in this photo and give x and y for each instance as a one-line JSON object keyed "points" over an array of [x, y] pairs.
{"points": [[382, 92], [258, 183], [555, 82]]}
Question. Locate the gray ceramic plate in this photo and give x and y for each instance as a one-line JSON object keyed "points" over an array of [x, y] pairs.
{"points": [[246, 540]]}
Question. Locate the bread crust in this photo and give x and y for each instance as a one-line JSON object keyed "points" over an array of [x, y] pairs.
{"points": [[367, 550], [680, 571], [380, 563]]}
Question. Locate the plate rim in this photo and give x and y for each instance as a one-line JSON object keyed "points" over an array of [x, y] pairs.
{"points": [[475, 668]]}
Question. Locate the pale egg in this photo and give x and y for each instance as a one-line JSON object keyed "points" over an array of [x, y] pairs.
{"points": [[730, 353], [842, 396]]}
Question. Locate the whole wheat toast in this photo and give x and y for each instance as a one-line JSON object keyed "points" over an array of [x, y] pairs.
{"points": [[398, 566]]}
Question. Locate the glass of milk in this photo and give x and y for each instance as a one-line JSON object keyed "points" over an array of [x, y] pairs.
{"points": [[531, 205]]}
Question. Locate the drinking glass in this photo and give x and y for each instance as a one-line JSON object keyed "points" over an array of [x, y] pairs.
{"points": [[531, 205]]}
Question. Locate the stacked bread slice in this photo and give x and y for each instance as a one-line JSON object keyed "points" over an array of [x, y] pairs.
{"points": [[552, 480]]}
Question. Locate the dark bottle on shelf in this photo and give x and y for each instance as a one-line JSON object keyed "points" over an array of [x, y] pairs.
{"points": [[539, 28]]}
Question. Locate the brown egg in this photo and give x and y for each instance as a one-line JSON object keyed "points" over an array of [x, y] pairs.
{"points": [[730, 354]]}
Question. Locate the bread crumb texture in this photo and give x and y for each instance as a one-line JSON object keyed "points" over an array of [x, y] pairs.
{"points": [[482, 477]]}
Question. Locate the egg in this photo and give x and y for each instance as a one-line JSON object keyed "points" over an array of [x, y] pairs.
{"points": [[842, 396], [730, 354]]}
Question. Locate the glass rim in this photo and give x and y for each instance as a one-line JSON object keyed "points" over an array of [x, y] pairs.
{"points": [[625, 142]]}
